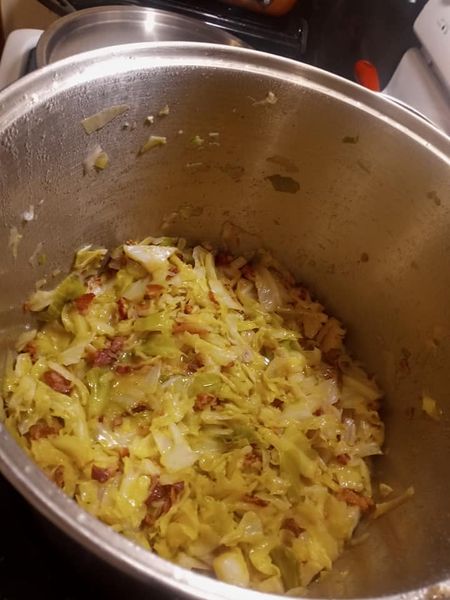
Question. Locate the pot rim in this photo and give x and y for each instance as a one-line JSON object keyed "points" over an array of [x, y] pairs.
{"points": [[39, 87]]}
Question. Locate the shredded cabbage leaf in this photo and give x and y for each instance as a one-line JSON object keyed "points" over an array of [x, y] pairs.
{"points": [[201, 404]]}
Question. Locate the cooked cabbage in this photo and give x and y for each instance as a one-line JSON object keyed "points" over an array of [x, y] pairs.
{"points": [[202, 405]]}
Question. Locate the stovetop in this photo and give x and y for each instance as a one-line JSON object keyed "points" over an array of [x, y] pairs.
{"points": [[331, 34]]}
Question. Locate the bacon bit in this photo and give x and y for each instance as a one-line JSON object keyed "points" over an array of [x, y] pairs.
{"points": [[122, 308], [161, 499], [42, 429], [58, 476], [148, 520], [194, 364], [318, 412], [354, 499], [117, 422], [153, 290], [116, 344], [222, 259], [57, 382], [343, 459], [31, 349], [183, 326], [102, 358], [102, 475], [157, 492], [293, 526], [83, 302], [253, 458], [107, 356], [204, 400], [277, 403], [172, 271], [212, 297], [124, 452], [188, 308], [248, 272], [139, 408], [254, 500], [123, 369]]}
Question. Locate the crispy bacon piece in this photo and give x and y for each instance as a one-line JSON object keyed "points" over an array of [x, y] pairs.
{"points": [[204, 400], [161, 499], [277, 403], [31, 349], [212, 297], [354, 499], [109, 354], [42, 429], [83, 302], [116, 344], [57, 382], [343, 459], [102, 358], [194, 364], [102, 475], [254, 500], [153, 290], [123, 369], [58, 476], [173, 270], [183, 326], [124, 452], [292, 526], [122, 309], [139, 408]]}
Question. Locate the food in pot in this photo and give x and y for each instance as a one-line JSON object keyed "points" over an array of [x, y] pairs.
{"points": [[201, 404]]}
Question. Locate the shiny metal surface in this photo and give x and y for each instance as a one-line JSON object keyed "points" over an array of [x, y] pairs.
{"points": [[368, 231], [99, 27]]}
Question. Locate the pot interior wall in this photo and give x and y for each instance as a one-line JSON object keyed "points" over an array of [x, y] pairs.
{"points": [[357, 209]]}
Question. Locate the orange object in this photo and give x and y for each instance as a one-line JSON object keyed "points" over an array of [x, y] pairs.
{"points": [[367, 75], [275, 8]]}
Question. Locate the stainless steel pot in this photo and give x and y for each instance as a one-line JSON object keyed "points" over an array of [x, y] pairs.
{"points": [[359, 210], [104, 26]]}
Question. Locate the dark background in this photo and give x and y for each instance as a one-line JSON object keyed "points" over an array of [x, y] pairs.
{"points": [[339, 32]]}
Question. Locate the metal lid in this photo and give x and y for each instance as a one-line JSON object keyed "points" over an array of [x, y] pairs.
{"points": [[113, 25]]}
